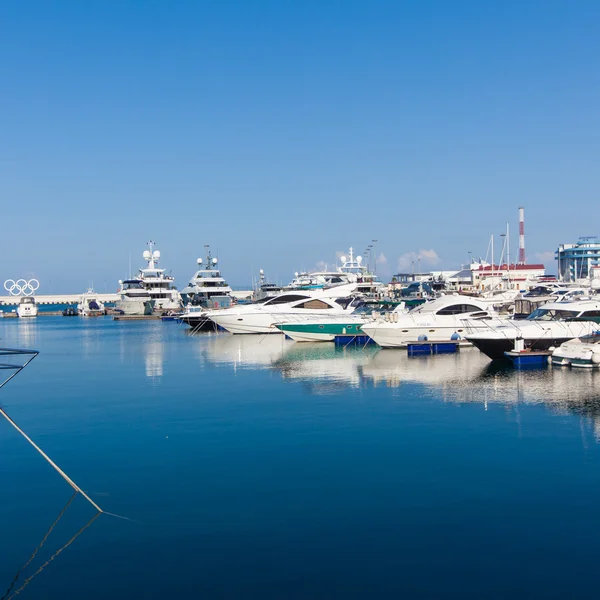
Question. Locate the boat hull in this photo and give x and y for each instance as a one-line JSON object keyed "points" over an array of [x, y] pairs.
{"points": [[319, 332], [396, 337], [134, 307], [495, 348]]}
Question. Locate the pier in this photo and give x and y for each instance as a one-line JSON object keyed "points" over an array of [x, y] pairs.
{"points": [[56, 299]]}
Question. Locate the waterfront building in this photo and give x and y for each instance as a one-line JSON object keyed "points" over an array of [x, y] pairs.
{"points": [[511, 276], [576, 261]]}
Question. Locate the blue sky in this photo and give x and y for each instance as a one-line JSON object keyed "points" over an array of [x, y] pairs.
{"points": [[283, 132]]}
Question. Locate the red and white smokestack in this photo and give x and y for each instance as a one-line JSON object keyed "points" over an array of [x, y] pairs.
{"points": [[521, 235]]}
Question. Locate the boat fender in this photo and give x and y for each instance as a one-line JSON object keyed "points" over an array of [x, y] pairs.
{"points": [[596, 357], [422, 338], [455, 337], [395, 317]]}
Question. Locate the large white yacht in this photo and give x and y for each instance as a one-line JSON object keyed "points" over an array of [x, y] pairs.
{"points": [[548, 326], [261, 317], [207, 288], [352, 270], [158, 284], [440, 320], [27, 307], [134, 298]]}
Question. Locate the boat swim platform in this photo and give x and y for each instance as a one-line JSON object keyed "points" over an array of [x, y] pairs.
{"points": [[528, 359], [137, 317]]}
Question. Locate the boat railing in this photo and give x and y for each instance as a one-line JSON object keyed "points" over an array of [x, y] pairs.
{"points": [[10, 368]]}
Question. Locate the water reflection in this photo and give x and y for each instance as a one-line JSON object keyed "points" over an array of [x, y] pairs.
{"points": [[245, 351], [20, 581], [325, 368], [464, 377], [154, 359]]}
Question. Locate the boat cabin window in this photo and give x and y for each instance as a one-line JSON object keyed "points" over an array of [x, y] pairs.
{"points": [[313, 304], [548, 314], [344, 302], [590, 314], [284, 299], [457, 309]]}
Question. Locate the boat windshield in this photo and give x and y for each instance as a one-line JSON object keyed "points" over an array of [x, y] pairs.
{"points": [[551, 314]]}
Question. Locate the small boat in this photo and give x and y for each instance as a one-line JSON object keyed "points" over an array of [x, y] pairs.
{"points": [[90, 306], [581, 352], [27, 307], [70, 311]]}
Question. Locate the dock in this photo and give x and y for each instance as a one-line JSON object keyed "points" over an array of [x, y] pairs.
{"points": [[428, 348], [56, 299], [137, 317], [529, 359]]}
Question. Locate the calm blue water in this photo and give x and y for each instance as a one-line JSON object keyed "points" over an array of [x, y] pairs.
{"points": [[256, 468]]}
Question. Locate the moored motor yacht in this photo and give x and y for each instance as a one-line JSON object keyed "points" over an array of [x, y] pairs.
{"points": [[89, 305], [134, 298], [439, 320], [158, 284], [27, 307], [548, 326], [260, 317], [326, 328], [581, 352], [207, 288]]}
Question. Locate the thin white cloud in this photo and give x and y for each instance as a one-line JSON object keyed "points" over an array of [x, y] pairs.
{"points": [[410, 261], [546, 258]]}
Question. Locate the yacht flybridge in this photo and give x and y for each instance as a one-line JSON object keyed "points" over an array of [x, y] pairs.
{"points": [[207, 288], [158, 284]]}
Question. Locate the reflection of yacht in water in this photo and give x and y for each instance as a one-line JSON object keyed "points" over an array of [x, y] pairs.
{"points": [[324, 367], [243, 350], [154, 359]]}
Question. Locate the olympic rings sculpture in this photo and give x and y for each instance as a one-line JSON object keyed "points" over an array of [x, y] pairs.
{"points": [[21, 287]]}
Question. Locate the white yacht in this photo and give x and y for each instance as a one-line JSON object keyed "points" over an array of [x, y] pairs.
{"points": [[158, 284], [265, 289], [89, 305], [548, 326], [207, 288], [581, 352], [27, 307], [134, 298], [353, 268], [439, 320], [351, 271], [261, 316]]}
